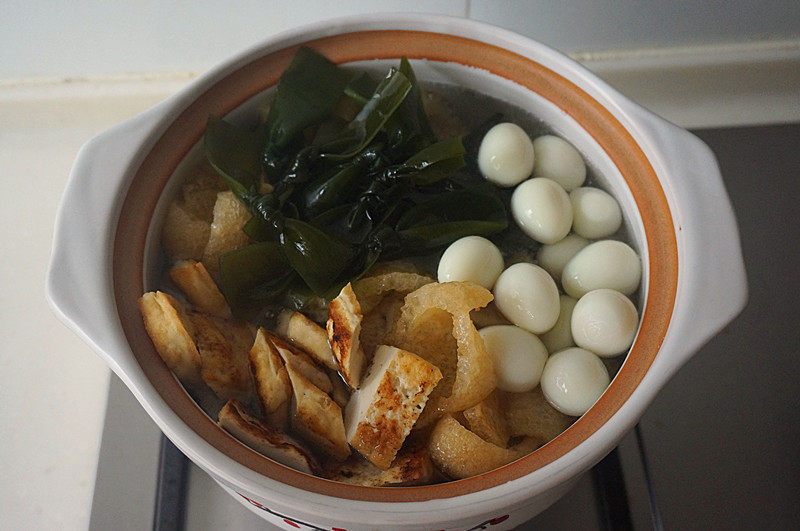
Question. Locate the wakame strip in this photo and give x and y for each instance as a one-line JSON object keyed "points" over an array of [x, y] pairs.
{"points": [[234, 153], [363, 128], [344, 193], [307, 92]]}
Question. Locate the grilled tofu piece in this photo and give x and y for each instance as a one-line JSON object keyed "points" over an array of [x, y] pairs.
{"points": [[224, 348], [380, 415], [344, 327], [301, 362], [201, 290], [316, 417], [273, 388], [265, 439], [487, 420], [308, 336], [341, 393], [412, 466], [170, 330]]}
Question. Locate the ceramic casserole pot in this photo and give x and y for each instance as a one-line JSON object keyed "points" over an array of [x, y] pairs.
{"points": [[666, 180]]}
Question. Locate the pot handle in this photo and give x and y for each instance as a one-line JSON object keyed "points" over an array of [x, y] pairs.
{"points": [[79, 285], [712, 282]]}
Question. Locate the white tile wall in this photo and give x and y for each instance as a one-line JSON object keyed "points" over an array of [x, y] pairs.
{"points": [[63, 38], [579, 26]]}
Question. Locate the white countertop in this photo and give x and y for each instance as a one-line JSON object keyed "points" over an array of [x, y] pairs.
{"points": [[53, 388]]}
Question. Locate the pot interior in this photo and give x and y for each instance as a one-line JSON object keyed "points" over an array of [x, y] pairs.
{"points": [[616, 161]]}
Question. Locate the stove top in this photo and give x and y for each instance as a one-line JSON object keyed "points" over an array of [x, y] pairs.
{"points": [[717, 448]]}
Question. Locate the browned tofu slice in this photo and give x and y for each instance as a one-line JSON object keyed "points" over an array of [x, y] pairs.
{"points": [[273, 388], [201, 290], [265, 439], [412, 466], [344, 327], [301, 362], [224, 348], [316, 417], [170, 330], [380, 415], [308, 336], [487, 420], [340, 393]]}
